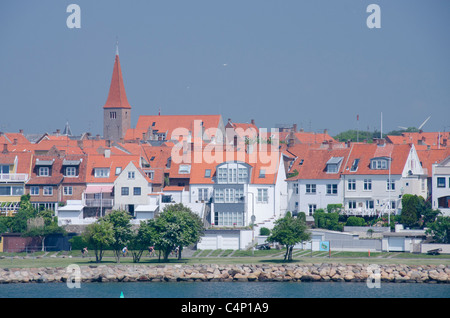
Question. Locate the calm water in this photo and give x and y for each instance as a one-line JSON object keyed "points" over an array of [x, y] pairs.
{"points": [[225, 290]]}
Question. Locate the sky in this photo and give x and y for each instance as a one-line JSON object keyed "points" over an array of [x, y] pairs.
{"points": [[313, 63]]}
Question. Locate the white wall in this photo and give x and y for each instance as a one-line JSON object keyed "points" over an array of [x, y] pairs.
{"points": [[120, 201]]}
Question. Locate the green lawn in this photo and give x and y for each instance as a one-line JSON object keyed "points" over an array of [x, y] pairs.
{"points": [[56, 259]]}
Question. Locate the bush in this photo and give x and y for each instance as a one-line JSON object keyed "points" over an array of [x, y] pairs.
{"points": [[264, 231], [355, 221], [78, 243]]}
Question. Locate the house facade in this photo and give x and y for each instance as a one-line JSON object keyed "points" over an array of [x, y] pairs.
{"points": [[441, 186]]}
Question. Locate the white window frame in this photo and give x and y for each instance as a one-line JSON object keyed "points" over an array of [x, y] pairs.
{"points": [[311, 188], [263, 196], [70, 172], [101, 173], [44, 171], [47, 190], [367, 185], [68, 190], [351, 185], [33, 190]]}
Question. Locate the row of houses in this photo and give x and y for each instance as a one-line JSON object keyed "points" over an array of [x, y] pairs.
{"points": [[250, 178]]}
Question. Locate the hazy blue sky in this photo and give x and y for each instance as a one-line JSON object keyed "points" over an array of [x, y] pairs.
{"points": [[314, 63]]}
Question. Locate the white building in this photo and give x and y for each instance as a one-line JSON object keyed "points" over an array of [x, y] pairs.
{"points": [[441, 186]]}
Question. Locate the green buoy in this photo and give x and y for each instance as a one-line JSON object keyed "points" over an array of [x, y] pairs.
{"points": [[121, 295]]}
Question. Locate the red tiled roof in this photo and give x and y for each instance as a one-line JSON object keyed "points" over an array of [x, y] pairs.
{"points": [[432, 139], [168, 123], [117, 97], [429, 157]]}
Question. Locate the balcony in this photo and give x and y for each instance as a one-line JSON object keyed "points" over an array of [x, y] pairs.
{"points": [[105, 203], [13, 177]]}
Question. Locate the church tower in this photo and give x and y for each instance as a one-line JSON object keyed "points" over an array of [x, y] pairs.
{"points": [[117, 110]]}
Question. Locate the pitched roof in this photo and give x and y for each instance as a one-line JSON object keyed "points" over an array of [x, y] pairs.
{"points": [[311, 163], [431, 139], [365, 152], [112, 162], [432, 156], [117, 97], [168, 123]]}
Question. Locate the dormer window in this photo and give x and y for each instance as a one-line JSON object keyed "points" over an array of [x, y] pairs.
{"points": [[101, 172], [44, 171], [184, 169], [333, 164], [380, 163], [71, 172]]}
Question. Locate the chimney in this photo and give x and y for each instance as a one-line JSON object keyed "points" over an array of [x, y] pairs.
{"points": [[252, 121], [20, 131], [97, 137], [15, 141], [108, 143], [325, 131], [291, 140], [302, 130], [294, 127], [107, 153], [58, 131], [5, 148]]}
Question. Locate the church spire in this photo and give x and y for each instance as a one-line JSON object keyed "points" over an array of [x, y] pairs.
{"points": [[117, 97]]}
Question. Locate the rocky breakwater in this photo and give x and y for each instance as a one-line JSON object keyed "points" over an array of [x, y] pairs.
{"points": [[228, 273]]}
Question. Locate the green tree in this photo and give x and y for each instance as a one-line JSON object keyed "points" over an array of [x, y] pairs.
{"points": [[410, 210], [176, 227], [440, 229], [289, 231], [120, 221], [141, 240], [43, 225], [99, 236], [26, 211]]}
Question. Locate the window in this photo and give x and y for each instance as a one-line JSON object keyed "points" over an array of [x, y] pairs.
{"points": [[229, 218], [150, 174], [369, 204], [351, 185], [184, 169], [441, 182], [352, 204], [101, 172], [331, 188], [229, 195], [48, 190], [112, 115], [222, 175], [34, 190], [68, 190], [379, 164], [311, 188], [312, 208], [207, 173], [242, 175], [118, 170], [232, 175], [295, 185], [44, 171], [262, 196], [16, 190], [4, 169], [392, 204], [5, 190], [262, 173], [130, 174], [390, 185], [331, 168], [367, 184], [125, 191], [71, 172], [203, 194], [354, 165], [219, 196], [137, 191]]}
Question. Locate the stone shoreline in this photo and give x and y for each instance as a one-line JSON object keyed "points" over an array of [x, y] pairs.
{"points": [[323, 272]]}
